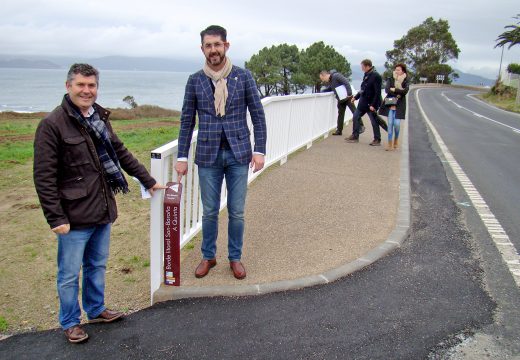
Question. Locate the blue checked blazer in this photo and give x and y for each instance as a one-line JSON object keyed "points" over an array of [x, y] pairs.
{"points": [[199, 100]]}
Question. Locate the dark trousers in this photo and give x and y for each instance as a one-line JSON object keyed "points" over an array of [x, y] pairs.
{"points": [[374, 119], [342, 106]]}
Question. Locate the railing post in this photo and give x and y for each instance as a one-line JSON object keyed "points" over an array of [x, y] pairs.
{"points": [[156, 228]]}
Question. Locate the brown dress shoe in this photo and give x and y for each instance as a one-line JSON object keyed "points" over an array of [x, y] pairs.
{"points": [[352, 139], [76, 334], [107, 316], [375, 143], [204, 267], [239, 271]]}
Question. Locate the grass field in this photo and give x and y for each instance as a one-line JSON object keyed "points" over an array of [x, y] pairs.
{"points": [[501, 102], [28, 299]]}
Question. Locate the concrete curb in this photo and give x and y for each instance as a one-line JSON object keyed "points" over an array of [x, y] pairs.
{"points": [[394, 240]]}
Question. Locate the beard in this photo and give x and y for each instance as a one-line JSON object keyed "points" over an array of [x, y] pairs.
{"points": [[216, 58]]}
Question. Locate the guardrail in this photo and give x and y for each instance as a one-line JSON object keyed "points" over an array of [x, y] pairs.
{"points": [[293, 121]]}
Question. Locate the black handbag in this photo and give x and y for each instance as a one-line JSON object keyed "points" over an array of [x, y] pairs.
{"points": [[389, 101]]}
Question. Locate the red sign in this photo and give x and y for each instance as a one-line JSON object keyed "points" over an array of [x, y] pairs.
{"points": [[172, 234]]}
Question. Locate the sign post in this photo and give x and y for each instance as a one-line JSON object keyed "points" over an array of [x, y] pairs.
{"points": [[172, 234]]}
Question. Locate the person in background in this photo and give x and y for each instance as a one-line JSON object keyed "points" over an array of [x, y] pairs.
{"points": [[78, 163], [332, 81], [369, 100], [220, 95], [396, 88]]}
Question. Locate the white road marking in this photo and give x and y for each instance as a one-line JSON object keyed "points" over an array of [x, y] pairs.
{"points": [[480, 115], [497, 233], [474, 98]]}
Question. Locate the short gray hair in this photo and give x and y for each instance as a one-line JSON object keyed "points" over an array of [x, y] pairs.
{"points": [[83, 69]]}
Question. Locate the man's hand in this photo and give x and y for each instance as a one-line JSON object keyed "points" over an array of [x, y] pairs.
{"points": [[257, 162], [352, 99], [157, 186], [373, 109], [62, 229], [182, 169]]}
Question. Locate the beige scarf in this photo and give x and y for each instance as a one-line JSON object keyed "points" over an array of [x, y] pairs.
{"points": [[398, 83], [221, 91]]}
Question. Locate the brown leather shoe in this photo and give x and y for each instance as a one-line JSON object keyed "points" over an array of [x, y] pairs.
{"points": [[107, 316], [352, 139], [375, 143], [239, 271], [204, 267], [76, 334]]}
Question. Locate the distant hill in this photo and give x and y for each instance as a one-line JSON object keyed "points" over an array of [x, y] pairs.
{"points": [[471, 79], [28, 64], [102, 63], [162, 64], [464, 78]]}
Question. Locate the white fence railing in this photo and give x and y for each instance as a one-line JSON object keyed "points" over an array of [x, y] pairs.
{"points": [[293, 121]]}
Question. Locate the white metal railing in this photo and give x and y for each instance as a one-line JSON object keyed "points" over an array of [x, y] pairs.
{"points": [[293, 121]]}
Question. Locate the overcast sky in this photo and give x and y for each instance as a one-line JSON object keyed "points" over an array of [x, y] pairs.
{"points": [[170, 29]]}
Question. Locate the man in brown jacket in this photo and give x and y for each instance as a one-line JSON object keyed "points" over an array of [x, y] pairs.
{"points": [[78, 163]]}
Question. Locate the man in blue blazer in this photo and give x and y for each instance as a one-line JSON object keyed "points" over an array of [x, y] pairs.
{"points": [[220, 95]]}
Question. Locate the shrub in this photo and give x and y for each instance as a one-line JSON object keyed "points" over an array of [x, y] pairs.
{"points": [[503, 90], [513, 68]]}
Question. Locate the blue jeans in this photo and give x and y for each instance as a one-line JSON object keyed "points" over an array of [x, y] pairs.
{"points": [[394, 125], [210, 180], [88, 248]]}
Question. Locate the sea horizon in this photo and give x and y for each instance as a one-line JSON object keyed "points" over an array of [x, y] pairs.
{"points": [[41, 90]]}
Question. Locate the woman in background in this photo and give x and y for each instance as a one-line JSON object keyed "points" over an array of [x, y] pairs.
{"points": [[394, 104]]}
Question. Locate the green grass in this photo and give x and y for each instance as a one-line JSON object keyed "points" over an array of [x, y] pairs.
{"points": [[3, 324], [16, 142], [502, 102]]}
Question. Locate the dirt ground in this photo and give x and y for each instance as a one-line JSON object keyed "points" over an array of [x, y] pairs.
{"points": [[28, 298]]}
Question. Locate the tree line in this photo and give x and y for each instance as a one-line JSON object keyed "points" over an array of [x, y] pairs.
{"points": [[284, 69]]}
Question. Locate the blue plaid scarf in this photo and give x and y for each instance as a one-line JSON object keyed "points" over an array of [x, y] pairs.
{"points": [[97, 130]]}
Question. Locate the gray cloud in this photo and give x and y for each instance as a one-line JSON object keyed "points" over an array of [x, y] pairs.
{"points": [[164, 28]]}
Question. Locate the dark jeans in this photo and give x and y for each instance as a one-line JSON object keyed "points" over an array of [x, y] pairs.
{"points": [[374, 119], [342, 106]]}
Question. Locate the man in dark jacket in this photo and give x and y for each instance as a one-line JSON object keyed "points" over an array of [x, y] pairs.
{"points": [[78, 162], [369, 98], [335, 81]]}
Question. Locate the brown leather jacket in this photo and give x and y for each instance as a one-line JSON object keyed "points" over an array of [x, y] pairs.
{"points": [[68, 175]]}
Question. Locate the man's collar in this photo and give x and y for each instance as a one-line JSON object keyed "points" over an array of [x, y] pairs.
{"points": [[91, 111]]}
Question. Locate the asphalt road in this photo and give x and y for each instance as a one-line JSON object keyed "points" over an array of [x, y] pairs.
{"points": [[416, 303], [488, 151]]}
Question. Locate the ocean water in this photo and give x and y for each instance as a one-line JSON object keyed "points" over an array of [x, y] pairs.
{"points": [[31, 90]]}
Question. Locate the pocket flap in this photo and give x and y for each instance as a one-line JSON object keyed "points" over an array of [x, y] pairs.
{"points": [[74, 140], [74, 193], [77, 188]]}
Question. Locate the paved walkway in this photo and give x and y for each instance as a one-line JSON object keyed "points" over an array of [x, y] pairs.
{"points": [[307, 219]]}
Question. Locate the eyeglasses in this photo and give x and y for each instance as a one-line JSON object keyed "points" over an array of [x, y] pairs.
{"points": [[217, 45]]}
